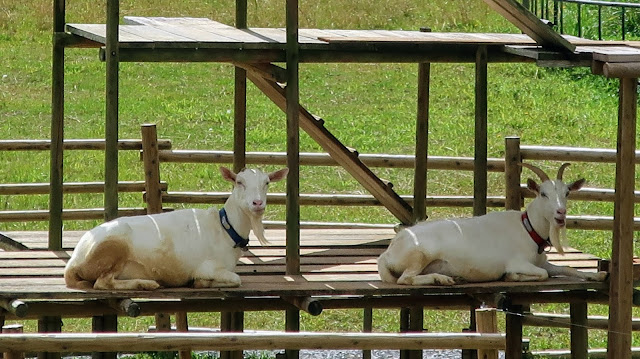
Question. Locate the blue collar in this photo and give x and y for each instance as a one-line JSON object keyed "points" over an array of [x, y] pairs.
{"points": [[239, 241]]}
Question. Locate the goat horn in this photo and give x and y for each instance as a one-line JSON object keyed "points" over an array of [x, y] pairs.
{"points": [[561, 170], [543, 176]]}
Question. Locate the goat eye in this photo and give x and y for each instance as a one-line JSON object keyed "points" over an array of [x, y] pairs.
{"points": [[240, 183], [544, 194]]}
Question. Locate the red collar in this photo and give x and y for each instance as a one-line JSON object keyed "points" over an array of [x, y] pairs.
{"points": [[542, 243]]}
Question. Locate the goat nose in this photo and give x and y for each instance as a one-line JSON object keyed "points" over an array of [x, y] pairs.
{"points": [[561, 211], [258, 202]]}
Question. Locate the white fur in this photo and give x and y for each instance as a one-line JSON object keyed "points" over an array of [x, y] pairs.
{"points": [[172, 249], [484, 248]]}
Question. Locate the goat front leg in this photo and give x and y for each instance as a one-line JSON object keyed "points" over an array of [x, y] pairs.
{"points": [[525, 272], [209, 275], [555, 271]]}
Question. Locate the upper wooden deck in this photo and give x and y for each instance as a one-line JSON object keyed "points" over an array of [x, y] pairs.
{"points": [[201, 39], [334, 263]]}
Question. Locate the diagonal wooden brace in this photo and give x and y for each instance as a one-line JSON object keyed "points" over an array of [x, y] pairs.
{"points": [[341, 154]]}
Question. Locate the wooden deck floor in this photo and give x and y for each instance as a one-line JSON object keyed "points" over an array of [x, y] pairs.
{"points": [[160, 37], [334, 262]]}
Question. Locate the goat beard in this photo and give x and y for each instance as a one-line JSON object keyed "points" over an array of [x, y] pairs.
{"points": [[258, 229], [557, 234]]}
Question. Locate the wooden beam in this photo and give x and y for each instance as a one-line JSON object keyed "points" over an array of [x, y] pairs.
{"points": [[76, 342], [340, 153], [111, 113], [480, 145]]}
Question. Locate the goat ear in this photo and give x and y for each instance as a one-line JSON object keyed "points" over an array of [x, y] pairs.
{"points": [[577, 185], [278, 175], [532, 185], [228, 174]]}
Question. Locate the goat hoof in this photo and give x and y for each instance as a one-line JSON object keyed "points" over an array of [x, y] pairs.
{"points": [[600, 276]]}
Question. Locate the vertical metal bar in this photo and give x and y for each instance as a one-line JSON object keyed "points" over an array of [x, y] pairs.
{"points": [[621, 287], [624, 30], [480, 157], [579, 20], [422, 142], [57, 129], [599, 22], [111, 122], [561, 17]]}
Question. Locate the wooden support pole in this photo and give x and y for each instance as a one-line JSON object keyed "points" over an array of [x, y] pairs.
{"points": [[513, 328], [480, 167], [111, 121], [308, 304], [12, 328], [367, 327], [579, 332], [105, 324], [151, 168], [422, 144], [47, 324], [182, 326], [15, 307], [232, 322], [512, 159], [487, 322], [57, 129], [621, 282]]}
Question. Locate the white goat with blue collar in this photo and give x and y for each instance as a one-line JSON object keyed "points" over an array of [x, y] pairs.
{"points": [[507, 244], [174, 249]]}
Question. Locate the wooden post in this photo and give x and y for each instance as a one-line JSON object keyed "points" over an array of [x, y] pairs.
{"points": [[151, 168], [12, 328], [104, 323], [579, 332], [422, 142], [111, 121], [49, 324], [367, 327], [512, 171], [487, 322], [480, 156], [621, 288], [182, 325], [232, 322], [513, 330], [292, 316], [57, 128]]}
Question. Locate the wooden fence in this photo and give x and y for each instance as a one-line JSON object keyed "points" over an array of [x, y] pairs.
{"points": [[157, 151]]}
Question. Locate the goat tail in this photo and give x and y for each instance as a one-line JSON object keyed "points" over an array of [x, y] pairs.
{"points": [[383, 270], [73, 280]]}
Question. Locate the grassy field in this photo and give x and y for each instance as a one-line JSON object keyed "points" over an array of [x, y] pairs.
{"points": [[370, 106]]}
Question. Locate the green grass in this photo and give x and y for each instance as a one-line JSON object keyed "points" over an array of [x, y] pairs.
{"points": [[370, 106]]}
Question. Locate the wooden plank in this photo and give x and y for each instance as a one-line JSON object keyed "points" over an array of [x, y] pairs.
{"points": [[530, 24], [98, 33], [612, 53], [162, 21]]}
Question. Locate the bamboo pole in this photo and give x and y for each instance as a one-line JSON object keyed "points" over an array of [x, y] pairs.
{"points": [[135, 342]]}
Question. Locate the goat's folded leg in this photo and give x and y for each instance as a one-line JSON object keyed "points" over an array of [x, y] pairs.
{"points": [[525, 272], [108, 281], [426, 279], [555, 271], [210, 275]]}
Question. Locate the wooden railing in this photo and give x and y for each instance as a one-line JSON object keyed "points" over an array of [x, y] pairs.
{"points": [[164, 154], [7, 189]]}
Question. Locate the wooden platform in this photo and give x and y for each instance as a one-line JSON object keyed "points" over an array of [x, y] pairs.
{"points": [[336, 265], [159, 39]]}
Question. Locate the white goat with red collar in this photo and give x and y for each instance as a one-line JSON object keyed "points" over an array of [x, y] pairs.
{"points": [[174, 249], [507, 244]]}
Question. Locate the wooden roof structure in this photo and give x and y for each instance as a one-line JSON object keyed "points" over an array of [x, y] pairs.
{"points": [[253, 52]]}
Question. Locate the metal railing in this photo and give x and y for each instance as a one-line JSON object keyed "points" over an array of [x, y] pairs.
{"points": [[555, 10]]}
